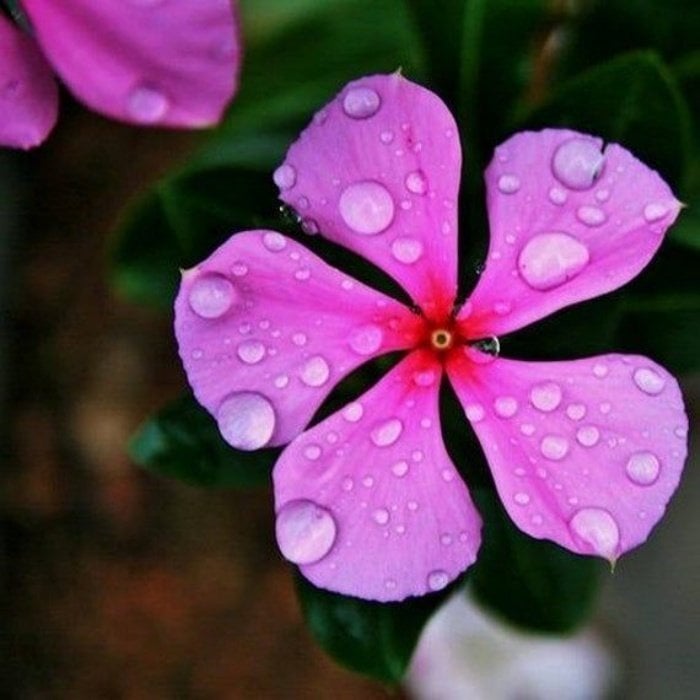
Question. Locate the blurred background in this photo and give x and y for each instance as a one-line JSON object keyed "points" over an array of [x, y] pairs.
{"points": [[121, 583]]}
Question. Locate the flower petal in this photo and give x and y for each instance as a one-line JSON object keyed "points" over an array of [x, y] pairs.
{"points": [[569, 221], [28, 93], [368, 502], [143, 61], [585, 453], [377, 171], [266, 329]]}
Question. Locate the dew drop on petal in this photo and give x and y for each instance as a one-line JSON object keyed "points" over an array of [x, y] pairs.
{"points": [[554, 447], [576, 411], [366, 340], [211, 295], [505, 406], [588, 435], [548, 260], [416, 182], [274, 241], [437, 580], [251, 351], [366, 207], [591, 216], [577, 163], [474, 412], [425, 377], [521, 498], [312, 452], [597, 529], [655, 211], [353, 412], [400, 468], [407, 250], [386, 137], [305, 531], [147, 104], [546, 397], [558, 196], [649, 381], [246, 420], [600, 370], [361, 102], [285, 177], [387, 433], [643, 468], [316, 371], [381, 516], [509, 184]]}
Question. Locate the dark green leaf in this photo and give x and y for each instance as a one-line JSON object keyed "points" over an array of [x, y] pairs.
{"points": [[531, 583], [376, 639], [183, 442]]}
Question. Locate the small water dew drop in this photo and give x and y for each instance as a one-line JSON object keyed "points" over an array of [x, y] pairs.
{"points": [[285, 177], [554, 447], [649, 381], [246, 420], [315, 371], [655, 211], [353, 412], [147, 104], [474, 412], [366, 207], [521, 498], [386, 137], [306, 531], [211, 295], [505, 406], [312, 452], [509, 184], [597, 530], [546, 396], [576, 411], [425, 377], [588, 435], [251, 351], [416, 182], [381, 516], [407, 250], [643, 468], [577, 163], [557, 196], [361, 102], [591, 216], [387, 433], [274, 241], [437, 580], [366, 340], [400, 468]]}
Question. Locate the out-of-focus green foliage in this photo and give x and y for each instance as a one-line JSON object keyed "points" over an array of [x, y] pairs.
{"points": [[628, 70]]}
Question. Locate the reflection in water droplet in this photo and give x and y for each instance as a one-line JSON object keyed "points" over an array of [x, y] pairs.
{"points": [[577, 163], [246, 420], [387, 433], [643, 468], [361, 102], [211, 295], [366, 207], [649, 381], [598, 530], [548, 260], [305, 531]]}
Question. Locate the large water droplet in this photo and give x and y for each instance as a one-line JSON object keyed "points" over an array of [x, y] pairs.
{"points": [[509, 184], [147, 104], [366, 340], [416, 182], [305, 531], [316, 371], [649, 381], [251, 351], [361, 102], [577, 163], [588, 435], [367, 207], [246, 420], [550, 259], [387, 433], [285, 177], [437, 580], [274, 241], [546, 397], [407, 250], [554, 447], [211, 295], [505, 406], [598, 530], [643, 468]]}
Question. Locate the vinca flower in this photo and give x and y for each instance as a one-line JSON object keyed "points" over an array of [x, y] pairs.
{"points": [[146, 62], [585, 453]]}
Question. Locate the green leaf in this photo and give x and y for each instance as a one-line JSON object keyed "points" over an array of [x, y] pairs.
{"points": [[632, 100], [182, 441], [376, 639], [686, 231], [531, 583]]}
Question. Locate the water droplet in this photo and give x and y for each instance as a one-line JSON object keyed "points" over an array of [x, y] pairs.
{"points": [[353, 412], [655, 211], [251, 351], [577, 163], [474, 412], [447, 475], [367, 207], [546, 397], [381, 516], [509, 184], [239, 269], [309, 226], [361, 102], [300, 339], [246, 420], [558, 196], [554, 447], [316, 371], [484, 351], [605, 407], [550, 259], [387, 433], [600, 370], [366, 340], [598, 530], [407, 250], [576, 411], [416, 182], [643, 468], [302, 274], [147, 104], [437, 580], [527, 429], [412, 506], [502, 308], [588, 435], [312, 452], [400, 469], [274, 241], [285, 177], [505, 406], [649, 381], [347, 484], [425, 377], [281, 381], [386, 137], [368, 481], [521, 498], [305, 531], [591, 216], [211, 295]]}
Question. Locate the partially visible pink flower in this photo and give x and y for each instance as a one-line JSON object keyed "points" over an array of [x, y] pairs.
{"points": [[585, 453], [148, 62]]}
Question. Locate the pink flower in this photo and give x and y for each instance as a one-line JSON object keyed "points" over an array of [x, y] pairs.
{"points": [[139, 61], [585, 453]]}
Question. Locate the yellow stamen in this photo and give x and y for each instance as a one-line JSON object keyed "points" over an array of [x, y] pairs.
{"points": [[441, 339]]}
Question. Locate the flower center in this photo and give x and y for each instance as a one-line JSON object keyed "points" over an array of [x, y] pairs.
{"points": [[441, 339]]}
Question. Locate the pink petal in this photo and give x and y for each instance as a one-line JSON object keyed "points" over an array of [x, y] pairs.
{"points": [[568, 222], [266, 329], [368, 502], [585, 453], [143, 61], [377, 171], [28, 94]]}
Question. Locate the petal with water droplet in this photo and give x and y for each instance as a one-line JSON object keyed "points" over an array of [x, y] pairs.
{"points": [[240, 329], [394, 495], [591, 451], [571, 244], [172, 63], [379, 167]]}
